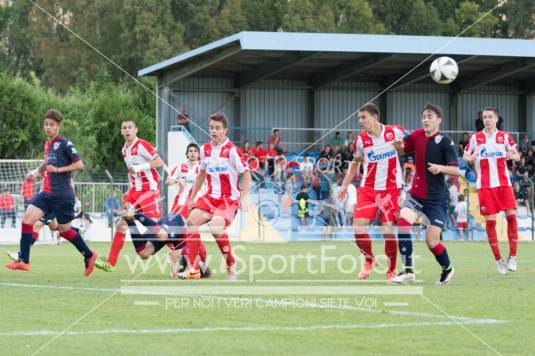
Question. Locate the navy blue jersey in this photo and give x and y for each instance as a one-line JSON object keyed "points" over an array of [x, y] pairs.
{"points": [[59, 152], [438, 149]]}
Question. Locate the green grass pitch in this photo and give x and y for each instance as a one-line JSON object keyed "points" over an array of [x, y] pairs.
{"points": [[479, 313]]}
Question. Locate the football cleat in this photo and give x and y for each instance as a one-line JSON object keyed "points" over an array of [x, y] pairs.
{"points": [[404, 277], [367, 268], [19, 265], [445, 276], [105, 265], [390, 277], [511, 264], [90, 263], [232, 274], [13, 256], [128, 212], [190, 273], [502, 267]]}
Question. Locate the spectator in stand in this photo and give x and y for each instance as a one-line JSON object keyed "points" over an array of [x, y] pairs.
{"points": [[351, 201], [286, 199], [316, 185], [463, 142], [329, 215], [183, 119], [350, 139], [246, 149], [325, 185], [337, 141], [337, 160], [302, 205], [521, 171], [461, 213], [524, 145], [326, 152], [271, 154], [27, 190], [453, 199], [339, 204], [260, 154], [307, 170], [112, 207], [7, 209], [279, 172], [348, 155], [522, 196], [276, 140], [254, 167]]}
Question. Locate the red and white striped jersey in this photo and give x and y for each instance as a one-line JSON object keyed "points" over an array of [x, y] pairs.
{"points": [[382, 170], [140, 152], [223, 165], [491, 165], [188, 174]]}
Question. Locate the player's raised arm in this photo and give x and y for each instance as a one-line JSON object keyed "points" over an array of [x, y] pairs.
{"points": [[350, 174], [510, 147]]}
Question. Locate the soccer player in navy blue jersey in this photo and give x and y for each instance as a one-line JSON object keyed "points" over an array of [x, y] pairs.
{"points": [[57, 195], [435, 157]]}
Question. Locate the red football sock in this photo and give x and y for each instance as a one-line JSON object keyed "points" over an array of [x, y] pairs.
{"points": [[224, 246], [202, 250], [364, 243], [193, 242], [116, 247], [391, 251], [493, 238], [512, 233]]}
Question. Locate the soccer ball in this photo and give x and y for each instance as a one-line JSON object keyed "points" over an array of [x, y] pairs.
{"points": [[444, 70]]}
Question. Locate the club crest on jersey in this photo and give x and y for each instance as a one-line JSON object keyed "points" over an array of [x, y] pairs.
{"points": [[438, 138], [499, 139], [389, 135], [56, 145], [372, 157]]}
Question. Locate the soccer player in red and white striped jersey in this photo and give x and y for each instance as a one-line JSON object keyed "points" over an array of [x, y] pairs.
{"points": [[380, 185], [222, 164], [142, 160], [489, 149]]}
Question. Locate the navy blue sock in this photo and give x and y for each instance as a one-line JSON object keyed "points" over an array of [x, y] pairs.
{"points": [[405, 244], [26, 241], [74, 238], [441, 255]]}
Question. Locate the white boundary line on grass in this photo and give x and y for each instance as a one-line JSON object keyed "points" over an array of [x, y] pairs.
{"points": [[296, 328], [273, 302]]}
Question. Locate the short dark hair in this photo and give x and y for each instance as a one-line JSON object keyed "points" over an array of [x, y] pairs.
{"points": [[129, 119], [304, 187], [192, 145], [54, 114], [371, 108], [493, 109], [434, 108], [461, 197], [219, 117], [276, 130]]}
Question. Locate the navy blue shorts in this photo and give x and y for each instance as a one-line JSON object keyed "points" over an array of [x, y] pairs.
{"points": [[47, 219], [432, 212], [62, 208]]}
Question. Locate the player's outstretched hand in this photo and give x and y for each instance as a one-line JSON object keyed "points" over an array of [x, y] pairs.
{"points": [[191, 204], [434, 168]]}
